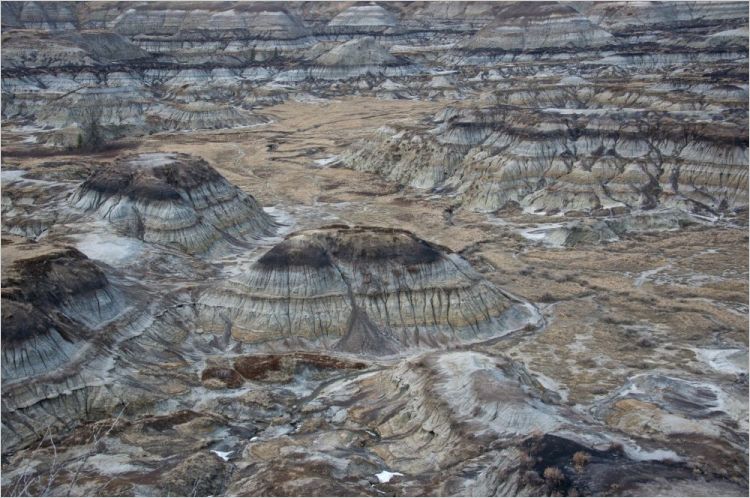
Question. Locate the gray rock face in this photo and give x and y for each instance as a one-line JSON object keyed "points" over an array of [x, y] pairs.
{"points": [[205, 116], [60, 316], [362, 290], [358, 57], [85, 48], [172, 199]]}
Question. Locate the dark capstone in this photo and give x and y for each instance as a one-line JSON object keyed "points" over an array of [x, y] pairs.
{"points": [[357, 246], [363, 245], [135, 177], [287, 254], [50, 280], [35, 288]]}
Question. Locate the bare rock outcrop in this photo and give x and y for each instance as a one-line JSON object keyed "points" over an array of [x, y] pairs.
{"points": [[204, 115], [363, 19], [50, 293]]}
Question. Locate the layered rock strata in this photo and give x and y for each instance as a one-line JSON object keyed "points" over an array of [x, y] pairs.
{"points": [[51, 294], [172, 199], [150, 56], [361, 57], [558, 160], [364, 290], [363, 19], [527, 26], [204, 115]]}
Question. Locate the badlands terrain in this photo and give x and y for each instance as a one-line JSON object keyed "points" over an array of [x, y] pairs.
{"points": [[381, 249]]}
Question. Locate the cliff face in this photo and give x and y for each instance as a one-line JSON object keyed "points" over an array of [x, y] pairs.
{"points": [[61, 318], [153, 69]]}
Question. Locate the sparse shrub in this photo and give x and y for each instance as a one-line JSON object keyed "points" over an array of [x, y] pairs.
{"points": [[547, 298], [616, 447], [645, 342], [531, 477], [89, 118], [580, 459], [553, 476], [588, 362]]}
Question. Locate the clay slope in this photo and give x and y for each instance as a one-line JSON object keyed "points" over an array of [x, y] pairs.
{"points": [[172, 199], [363, 290]]}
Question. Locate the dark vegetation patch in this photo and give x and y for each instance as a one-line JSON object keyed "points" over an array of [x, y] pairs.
{"points": [[568, 468]]}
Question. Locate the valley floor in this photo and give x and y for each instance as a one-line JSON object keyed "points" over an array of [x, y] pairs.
{"points": [[630, 326]]}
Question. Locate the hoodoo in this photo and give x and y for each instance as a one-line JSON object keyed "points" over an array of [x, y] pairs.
{"points": [[364, 290], [173, 199], [382, 248]]}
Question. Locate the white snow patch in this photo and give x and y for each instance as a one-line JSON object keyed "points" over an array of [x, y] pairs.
{"points": [[386, 476], [224, 455], [541, 231], [729, 361], [326, 161], [638, 453], [111, 249]]}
